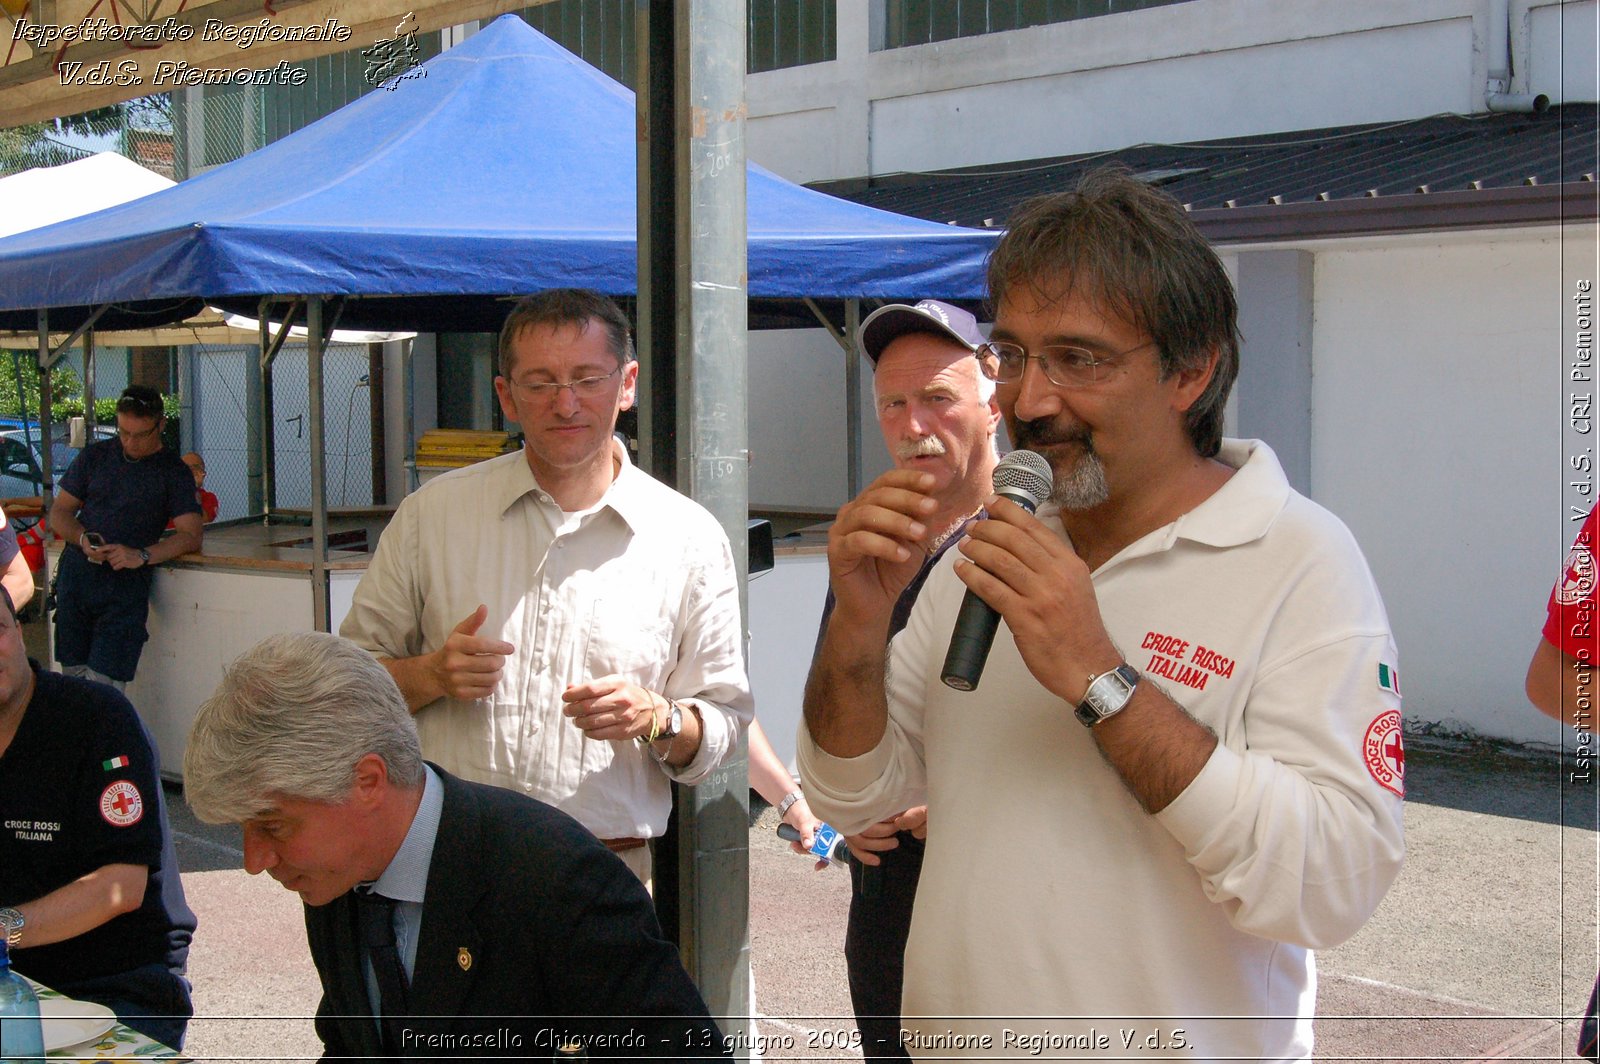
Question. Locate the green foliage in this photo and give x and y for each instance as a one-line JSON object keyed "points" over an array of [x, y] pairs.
{"points": [[66, 400], [65, 388]]}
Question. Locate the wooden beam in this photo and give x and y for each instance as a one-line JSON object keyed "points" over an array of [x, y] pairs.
{"points": [[38, 78]]}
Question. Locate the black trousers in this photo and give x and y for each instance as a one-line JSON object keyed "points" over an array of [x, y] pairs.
{"points": [[875, 943]]}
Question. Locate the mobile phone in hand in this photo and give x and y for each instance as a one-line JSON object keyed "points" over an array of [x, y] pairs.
{"points": [[825, 846]]}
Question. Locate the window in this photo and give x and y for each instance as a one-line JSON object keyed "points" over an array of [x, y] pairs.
{"points": [[779, 33], [600, 32], [786, 33], [908, 22]]}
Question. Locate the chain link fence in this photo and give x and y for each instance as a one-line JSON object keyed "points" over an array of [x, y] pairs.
{"points": [[143, 136], [218, 389]]}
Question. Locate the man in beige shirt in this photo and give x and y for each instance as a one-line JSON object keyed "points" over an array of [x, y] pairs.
{"points": [[562, 624]]}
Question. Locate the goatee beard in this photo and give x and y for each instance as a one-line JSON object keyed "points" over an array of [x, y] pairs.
{"points": [[1077, 485], [1083, 486]]}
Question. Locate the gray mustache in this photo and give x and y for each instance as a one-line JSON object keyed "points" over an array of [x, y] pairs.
{"points": [[925, 447]]}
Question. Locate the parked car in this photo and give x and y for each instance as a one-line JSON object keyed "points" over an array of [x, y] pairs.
{"points": [[21, 466]]}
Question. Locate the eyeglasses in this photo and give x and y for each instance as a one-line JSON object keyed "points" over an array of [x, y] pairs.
{"points": [[1067, 367], [582, 388], [131, 436]]}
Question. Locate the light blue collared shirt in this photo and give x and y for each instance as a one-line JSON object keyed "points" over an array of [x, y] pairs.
{"points": [[406, 880]]}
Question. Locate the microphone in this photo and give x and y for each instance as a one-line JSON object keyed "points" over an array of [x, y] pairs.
{"points": [[1025, 478]]}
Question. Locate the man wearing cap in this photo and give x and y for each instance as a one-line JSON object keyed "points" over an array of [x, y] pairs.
{"points": [[1181, 770], [112, 505], [938, 414]]}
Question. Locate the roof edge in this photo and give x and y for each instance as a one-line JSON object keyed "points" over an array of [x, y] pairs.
{"points": [[1412, 213]]}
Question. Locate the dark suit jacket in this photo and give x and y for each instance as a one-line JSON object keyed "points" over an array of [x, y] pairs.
{"points": [[531, 930]]}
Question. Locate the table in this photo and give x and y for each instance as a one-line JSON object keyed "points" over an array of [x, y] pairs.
{"points": [[119, 1043]]}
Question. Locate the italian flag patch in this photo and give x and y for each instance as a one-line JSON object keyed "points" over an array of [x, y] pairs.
{"points": [[1388, 678], [114, 764]]}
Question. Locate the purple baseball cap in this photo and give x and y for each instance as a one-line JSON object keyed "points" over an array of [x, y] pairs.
{"points": [[889, 323]]}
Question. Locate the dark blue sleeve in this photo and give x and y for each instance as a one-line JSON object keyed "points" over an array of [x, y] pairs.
{"points": [[182, 498], [118, 805]]}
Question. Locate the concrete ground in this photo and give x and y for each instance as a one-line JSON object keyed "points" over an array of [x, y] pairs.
{"points": [[1485, 942]]}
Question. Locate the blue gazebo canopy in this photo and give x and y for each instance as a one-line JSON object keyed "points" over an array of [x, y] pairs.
{"points": [[507, 166]]}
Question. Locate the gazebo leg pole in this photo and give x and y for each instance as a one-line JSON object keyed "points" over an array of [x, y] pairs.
{"points": [[88, 387], [319, 493], [854, 460], [47, 488]]}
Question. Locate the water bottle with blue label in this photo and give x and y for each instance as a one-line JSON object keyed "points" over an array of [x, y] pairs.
{"points": [[21, 1035], [825, 844]]}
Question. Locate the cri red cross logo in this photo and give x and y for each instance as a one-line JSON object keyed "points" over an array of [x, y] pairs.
{"points": [[1385, 753], [121, 804], [1577, 579]]}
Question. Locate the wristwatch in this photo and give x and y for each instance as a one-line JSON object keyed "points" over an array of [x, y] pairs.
{"points": [[787, 803], [12, 922], [1107, 695], [144, 556], [674, 725]]}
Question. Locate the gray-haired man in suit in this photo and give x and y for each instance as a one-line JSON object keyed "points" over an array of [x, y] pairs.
{"points": [[442, 915]]}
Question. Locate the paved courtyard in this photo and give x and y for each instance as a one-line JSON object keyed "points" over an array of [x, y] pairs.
{"points": [[1485, 942]]}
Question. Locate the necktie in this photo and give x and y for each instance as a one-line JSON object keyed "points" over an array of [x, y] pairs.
{"points": [[377, 936]]}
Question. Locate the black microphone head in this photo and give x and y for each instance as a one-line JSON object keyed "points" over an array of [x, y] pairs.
{"points": [[1026, 473]]}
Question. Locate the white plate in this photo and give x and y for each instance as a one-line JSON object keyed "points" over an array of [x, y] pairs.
{"points": [[69, 1023]]}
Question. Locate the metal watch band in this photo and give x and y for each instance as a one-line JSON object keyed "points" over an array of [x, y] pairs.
{"points": [[1107, 695], [12, 922], [787, 803]]}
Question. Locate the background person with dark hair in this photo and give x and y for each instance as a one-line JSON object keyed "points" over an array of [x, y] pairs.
{"points": [[90, 897], [114, 501], [1181, 771]]}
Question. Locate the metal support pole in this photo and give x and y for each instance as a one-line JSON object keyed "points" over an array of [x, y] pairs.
{"points": [[658, 210], [47, 489], [707, 214], [855, 454], [269, 432], [319, 487], [88, 387], [378, 466], [47, 492], [255, 407]]}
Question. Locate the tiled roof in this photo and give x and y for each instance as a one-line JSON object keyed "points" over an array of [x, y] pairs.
{"points": [[1446, 171]]}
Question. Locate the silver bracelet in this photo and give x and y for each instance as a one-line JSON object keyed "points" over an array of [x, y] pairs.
{"points": [[788, 803]]}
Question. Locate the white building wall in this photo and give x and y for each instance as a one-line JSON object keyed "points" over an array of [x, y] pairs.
{"points": [[798, 448], [1438, 395], [1561, 49], [1191, 71]]}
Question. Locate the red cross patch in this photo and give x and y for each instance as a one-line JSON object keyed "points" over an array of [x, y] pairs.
{"points": [[121, 804], [1385, 752], [1578, 577]]}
